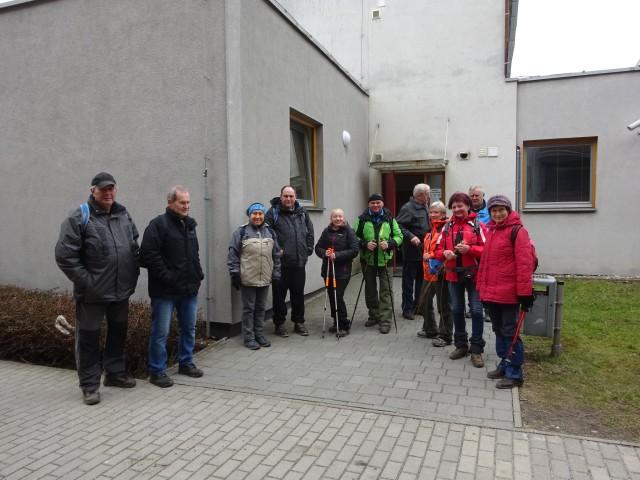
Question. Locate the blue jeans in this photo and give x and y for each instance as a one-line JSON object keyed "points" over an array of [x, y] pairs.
{"points": [[504, 318], [460, 337], [161, 312]]}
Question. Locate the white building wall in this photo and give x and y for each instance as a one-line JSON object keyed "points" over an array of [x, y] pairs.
{"points": [[603, 242]]}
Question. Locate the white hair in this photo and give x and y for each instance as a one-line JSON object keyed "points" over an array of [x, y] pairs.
{"points": [[421, 187], [476, 187], [439, 205]]}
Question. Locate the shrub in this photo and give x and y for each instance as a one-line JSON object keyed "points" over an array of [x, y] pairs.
{"points": [[28, 334]]}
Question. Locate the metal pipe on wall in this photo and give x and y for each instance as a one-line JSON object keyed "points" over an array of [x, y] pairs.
{"points": [[207, 236]]}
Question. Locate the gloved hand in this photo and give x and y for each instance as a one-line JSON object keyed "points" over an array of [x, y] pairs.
{"points": [[235, 280], [526, 302]]}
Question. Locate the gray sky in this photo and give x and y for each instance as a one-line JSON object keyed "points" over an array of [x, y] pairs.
{"points": [[560, 36]]}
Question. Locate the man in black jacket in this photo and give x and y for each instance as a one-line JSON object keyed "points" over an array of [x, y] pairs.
{"points": [[97, 250], [291, 223], [170, 253], [413, 219]]}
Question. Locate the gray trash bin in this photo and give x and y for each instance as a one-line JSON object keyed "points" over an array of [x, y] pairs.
{"points": [[540, 320]]}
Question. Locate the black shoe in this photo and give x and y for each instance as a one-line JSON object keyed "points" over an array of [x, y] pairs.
{"points": [[90, 397], [495, 374], [161, 380], [190, 370], [281, 331], [505, 383], [342, 333], [300, 329], [408, 315], [120, 380], [384, 329], [332, 329], [421, 334], [441, 342], [371, 322], [263, 341]]}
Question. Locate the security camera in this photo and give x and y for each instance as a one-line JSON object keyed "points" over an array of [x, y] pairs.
{"points": [[634, 125], [463, 155]]}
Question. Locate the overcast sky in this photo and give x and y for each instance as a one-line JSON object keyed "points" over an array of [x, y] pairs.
{"points": [[560, 36]]}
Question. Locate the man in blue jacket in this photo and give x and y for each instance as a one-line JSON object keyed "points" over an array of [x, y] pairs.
{"points": [[170, 253]]}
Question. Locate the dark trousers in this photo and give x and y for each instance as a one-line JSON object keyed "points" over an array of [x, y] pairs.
{"points": [[292, 280], [439, 290], [89, 318], [341, 285], [460, 337], [504, 318], [411, 284]]}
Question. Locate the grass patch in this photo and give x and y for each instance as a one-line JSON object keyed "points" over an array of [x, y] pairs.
{"points": [[593, 387]]}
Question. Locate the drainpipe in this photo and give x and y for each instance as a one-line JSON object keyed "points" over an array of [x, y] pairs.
{"points": [[207, 236], [518, 179]]}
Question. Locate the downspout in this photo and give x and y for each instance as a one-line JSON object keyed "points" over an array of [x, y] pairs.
{"points": [[207, 237], [518, 179]]}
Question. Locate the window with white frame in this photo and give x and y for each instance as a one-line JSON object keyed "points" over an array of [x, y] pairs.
{"points": [[559, 174], [304, 157]]}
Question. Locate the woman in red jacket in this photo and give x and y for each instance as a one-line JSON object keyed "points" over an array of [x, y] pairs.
{"points": [[460, 244], [505, 283]]}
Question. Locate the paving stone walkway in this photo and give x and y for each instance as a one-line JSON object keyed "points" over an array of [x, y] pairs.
{"points": [[306, 408]]}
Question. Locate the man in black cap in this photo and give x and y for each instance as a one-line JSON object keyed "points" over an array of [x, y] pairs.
{"points": [[97, 250]]}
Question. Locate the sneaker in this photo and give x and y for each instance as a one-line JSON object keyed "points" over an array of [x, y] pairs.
{"points": [[300, 329], [459, 352], [281, 331], [161, 380], [441, 342], [408, 315], [371, 322], [90, 397], [120, 380], [476, 360], [495, 374], [263, 341], [384, 329], [190, 370], [252, 345], [509, 383]]}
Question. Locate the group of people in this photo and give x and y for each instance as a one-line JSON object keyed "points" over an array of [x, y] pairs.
{"points": [[474, 252]]}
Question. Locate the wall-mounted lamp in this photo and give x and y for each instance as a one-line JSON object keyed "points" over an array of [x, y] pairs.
{"points": [[346, 138], [634, 125]]}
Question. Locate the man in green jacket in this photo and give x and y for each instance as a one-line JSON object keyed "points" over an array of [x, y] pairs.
{"points": [[378, 233]]}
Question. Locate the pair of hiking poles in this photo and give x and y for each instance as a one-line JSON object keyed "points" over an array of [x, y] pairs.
{"points": [[393, 309], [330, 274]]}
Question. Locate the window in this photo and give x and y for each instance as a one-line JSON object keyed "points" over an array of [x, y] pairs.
{"points": [[305, 136], [559, 174]]}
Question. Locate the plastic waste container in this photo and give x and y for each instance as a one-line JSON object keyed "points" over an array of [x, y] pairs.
{"points": [[540, 320]]}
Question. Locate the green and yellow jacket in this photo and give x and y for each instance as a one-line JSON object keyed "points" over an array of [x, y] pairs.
{"points": [[377, 228]]}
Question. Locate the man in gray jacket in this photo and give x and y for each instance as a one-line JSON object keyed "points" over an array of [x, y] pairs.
{"points": [[97, 250], [413, 219]]}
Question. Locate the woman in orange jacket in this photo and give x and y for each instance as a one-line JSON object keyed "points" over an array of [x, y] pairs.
{"points": [[434, 284]]}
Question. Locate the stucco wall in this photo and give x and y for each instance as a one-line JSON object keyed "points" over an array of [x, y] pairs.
{"points": [[268, 78], [133, 88], [604, 241]]}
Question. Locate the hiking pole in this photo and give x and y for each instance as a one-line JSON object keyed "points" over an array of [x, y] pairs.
{"points": [[358, 297], [521, 316], [326, 296], [335, 299], [393, 309]]}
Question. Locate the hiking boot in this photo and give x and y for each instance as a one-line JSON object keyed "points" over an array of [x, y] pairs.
{"points": [[441, 342], [300, 329], [459, 352], [421, 334], [190, 370], [252, 345], [371, 322], [505, 383], [476, 360], [90, 397], [408, 315], [120, 380], [161, 380], [342, 333], [263, 341], [385, 329], [281, 331], [495, 374]]}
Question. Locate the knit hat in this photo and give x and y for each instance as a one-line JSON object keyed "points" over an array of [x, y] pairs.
{"points": [[499, 201], [375, 197], [255, 207]]}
